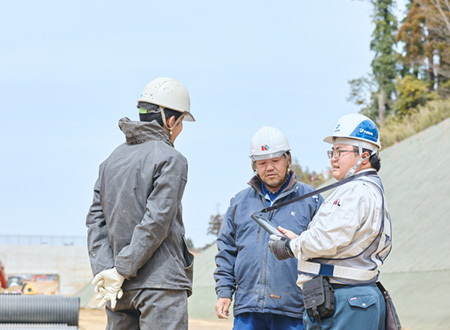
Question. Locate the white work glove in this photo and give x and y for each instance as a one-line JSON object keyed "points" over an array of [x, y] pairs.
{"points": [[108, 285], [280, 247]]}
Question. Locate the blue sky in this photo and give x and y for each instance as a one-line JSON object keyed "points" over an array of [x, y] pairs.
{"points": [[69, 70]]}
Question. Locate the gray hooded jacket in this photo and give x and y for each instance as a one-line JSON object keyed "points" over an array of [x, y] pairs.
{"points": [[135, 221]]}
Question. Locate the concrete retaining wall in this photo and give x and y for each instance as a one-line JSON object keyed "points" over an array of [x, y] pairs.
{"points": [[71, 263]]}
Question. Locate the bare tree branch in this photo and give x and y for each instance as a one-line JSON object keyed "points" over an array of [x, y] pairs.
{"points": [[437, 5]]}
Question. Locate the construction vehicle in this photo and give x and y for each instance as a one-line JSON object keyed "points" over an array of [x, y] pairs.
{"points": [[2, 276]]}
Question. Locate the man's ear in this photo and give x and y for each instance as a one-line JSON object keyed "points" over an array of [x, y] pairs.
{"points": [[365, 156], [289, 159], [170, 122]]}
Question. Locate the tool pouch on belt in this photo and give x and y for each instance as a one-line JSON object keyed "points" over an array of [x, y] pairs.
{"points": [[392, 319], [318, 297]]}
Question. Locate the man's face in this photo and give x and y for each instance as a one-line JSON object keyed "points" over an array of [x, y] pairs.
{"points": [[341, 165], [273, 171]]}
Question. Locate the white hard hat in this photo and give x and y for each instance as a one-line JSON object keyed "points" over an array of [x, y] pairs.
{"points": [[268, 142], [168, 93], [356, 127]]}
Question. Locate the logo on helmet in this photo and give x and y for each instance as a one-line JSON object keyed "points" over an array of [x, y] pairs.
{"points": [[337, 129], [362, 130], [265, 148]]}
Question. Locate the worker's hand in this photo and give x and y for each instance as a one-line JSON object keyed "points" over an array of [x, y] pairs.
{"points": [[280, 248], [287, 232], [108, 284], [223, 307]]}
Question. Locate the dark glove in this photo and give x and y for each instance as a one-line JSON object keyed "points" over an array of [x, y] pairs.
{"points": [[280, 248]]}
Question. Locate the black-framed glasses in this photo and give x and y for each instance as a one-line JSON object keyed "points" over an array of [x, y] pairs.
{"points": [[337, 153]]}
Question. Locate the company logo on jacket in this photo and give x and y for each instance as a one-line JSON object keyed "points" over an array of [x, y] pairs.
{"points": [[337, 202]]}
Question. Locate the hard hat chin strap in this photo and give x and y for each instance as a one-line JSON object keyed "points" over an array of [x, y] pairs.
{"points": [[164, 120], [163, 117], [361, 159]]}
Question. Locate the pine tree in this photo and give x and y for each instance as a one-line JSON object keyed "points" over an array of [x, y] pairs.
{"points": [[384, 62]]}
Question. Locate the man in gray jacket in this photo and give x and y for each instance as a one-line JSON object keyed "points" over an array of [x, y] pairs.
{"points": [[265, 290], [137, 248]]}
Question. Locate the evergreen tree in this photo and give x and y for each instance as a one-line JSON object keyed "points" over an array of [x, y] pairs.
{"points": [[215, 221], [384, 62]]}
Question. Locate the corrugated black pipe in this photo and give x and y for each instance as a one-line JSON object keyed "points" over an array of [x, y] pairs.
{"points": [[39, 309], [40, 326]]}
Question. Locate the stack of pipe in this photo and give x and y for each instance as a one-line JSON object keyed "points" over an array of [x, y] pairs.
{"points": [[38, 312]]}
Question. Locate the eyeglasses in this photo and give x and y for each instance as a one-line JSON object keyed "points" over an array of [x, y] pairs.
{"points": [[337, 153]]}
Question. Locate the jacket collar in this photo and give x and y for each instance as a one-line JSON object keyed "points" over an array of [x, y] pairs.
{"points": [[137, 132]]}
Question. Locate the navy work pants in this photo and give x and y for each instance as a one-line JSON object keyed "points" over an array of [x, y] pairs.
{"points": [[266, 321], [357, 307]]}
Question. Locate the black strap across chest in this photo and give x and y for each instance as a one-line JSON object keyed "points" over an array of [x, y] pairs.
{"points": [[316, 192]]}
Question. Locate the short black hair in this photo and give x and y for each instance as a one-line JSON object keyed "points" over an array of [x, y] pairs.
{"points": [[156, 115], [375, 160]]}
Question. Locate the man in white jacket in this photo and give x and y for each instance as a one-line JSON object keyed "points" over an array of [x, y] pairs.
{"points": [[350, 236]]}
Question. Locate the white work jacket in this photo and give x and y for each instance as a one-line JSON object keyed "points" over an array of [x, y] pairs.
{"points": [[348, 230]]}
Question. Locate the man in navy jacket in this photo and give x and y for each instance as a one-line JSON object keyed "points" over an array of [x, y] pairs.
{"points": [[265, 290]]}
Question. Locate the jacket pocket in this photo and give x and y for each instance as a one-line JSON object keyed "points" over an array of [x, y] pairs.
{"points": [[363, 302]]}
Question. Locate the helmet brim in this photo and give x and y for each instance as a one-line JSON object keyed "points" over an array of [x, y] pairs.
{"points": [[188, 116], [332, 139], [268, 155]]}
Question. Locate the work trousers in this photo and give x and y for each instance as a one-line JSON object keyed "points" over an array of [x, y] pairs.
{"points": [[149, 309], [357, 307], [266, 321]]}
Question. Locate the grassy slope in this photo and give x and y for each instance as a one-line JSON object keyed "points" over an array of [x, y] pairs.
{"points": [[417, 273]]}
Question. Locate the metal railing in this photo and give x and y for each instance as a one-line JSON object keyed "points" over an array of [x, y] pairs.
{"points": [[42, 240]]}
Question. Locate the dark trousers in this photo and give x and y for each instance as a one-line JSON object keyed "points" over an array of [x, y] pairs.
{"points": [[149, 309]]}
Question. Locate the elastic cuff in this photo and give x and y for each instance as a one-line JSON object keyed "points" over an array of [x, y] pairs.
{"points": [[225, 294]]}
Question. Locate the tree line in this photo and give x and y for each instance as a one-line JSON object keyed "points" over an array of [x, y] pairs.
{"points": [[411, 67], [411, 64]]}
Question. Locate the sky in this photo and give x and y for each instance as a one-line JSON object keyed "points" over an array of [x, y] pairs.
{"points": [[69, 70]]}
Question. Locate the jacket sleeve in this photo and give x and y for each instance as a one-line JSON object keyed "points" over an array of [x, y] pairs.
{"points": [[333, 226], [99, 247], [162, 207], [226, 257]]}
